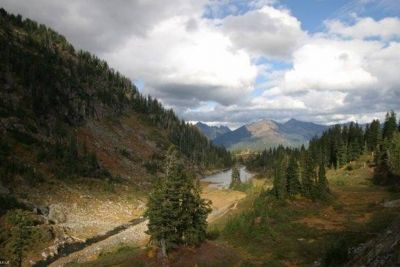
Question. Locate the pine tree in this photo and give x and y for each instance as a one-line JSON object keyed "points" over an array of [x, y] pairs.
{"points": [[394, 159], [323, 188], [354, 150], [279, 182], [235, 177], [381, 170], [177, 214], [308, 177], [390, 125], [341, 154], [293, 177], [373, 135]]}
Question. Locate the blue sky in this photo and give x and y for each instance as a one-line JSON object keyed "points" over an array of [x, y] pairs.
{"points": [[232, 62], [312, 13]]}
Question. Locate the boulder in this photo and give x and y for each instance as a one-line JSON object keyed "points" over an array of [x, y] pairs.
{"points": [[57, 213], [41, 210]]}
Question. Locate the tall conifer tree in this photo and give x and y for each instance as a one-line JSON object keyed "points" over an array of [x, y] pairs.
{"points": [[235, 176], [390, 125], [293, 177], [323, 188], [309, 177], [177, 214]]}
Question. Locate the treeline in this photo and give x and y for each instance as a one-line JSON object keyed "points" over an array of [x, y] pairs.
{"points": [[45, 82], [294, 170], [302, 171], [387, 153]]}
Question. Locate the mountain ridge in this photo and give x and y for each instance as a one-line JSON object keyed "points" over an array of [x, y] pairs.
{"points": [[212, 132], [267, 133]]}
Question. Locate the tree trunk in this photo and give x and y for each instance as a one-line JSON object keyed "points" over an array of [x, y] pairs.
{"points": [[163, 248], [164, 258]]}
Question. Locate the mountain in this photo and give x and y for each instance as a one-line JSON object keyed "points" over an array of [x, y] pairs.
{"points": [[212, 132], [267, 133]]}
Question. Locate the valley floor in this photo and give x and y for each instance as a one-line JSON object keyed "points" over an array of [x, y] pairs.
{"points": [[222, 202], [298, 232]]}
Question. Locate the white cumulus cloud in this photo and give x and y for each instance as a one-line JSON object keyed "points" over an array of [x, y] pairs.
{"points": [[268, 32], [386, 28]]}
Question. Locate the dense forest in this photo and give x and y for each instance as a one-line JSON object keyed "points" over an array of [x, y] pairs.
{"points": [[48, 89], [301, 170]]}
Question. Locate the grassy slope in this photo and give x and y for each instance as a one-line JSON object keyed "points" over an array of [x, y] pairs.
{"points": [[300, 232]]}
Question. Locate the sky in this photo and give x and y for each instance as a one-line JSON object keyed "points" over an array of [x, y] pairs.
{"points": [[234, 62]]}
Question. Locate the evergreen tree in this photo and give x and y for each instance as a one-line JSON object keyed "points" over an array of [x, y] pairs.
{"points": [[308, 177], [341, 154], [235, 177], [323, 188], [279, 182], [373, 135], [381, 170], [354, 150], [390, 125], [394, 159], [293, 177], [177, 214]]}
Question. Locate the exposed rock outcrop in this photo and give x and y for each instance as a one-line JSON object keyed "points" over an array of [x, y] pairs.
{"points": [[57, 213], [384, 250], [392, 204]]}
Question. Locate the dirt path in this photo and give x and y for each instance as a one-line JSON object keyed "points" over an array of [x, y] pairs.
{"points": [[132, 235], [223, 201]]}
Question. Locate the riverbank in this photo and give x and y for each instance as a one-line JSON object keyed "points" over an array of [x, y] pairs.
{"points": [[223, 179]]}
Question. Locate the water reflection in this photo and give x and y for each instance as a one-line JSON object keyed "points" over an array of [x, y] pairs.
{"points": [[223, 179]]}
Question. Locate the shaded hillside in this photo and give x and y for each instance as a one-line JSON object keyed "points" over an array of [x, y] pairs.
{"points": [[212, 132], [48, 89], [79, 145], [267, 133]]}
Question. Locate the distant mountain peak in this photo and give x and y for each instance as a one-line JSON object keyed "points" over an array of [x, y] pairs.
{"points": [[212, 132], [261, 127], [267, 133], [292, 120]]}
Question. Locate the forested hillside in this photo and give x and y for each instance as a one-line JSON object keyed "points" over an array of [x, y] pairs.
{"points": [[48, 88], [80, 146]]}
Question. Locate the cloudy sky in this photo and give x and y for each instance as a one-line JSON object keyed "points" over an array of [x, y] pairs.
{"points": [[233, 62]]}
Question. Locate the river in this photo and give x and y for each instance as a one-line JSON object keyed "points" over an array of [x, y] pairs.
{"points": [[222, 179]]}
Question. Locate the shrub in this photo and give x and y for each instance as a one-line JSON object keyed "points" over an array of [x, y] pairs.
{"points": [[8, 203], [349, 167], [213, 234], [20, 234], [337, 254]]}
